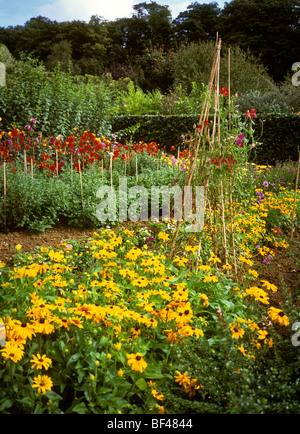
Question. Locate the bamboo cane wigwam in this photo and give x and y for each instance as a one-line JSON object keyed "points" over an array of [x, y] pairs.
{"points": [[203, 120]]}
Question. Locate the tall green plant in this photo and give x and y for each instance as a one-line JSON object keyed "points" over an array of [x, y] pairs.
{"points": [[134, 101], [59, 101]]}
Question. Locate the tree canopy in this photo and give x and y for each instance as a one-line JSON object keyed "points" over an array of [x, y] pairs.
{"points": [[268, 28]]}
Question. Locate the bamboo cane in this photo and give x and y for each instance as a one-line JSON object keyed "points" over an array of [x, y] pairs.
{"points": [[110, 169], [81, 187], [25, 161], [229, 91], [218, 122], [4, 182], [205, 113], [231, 225], [56, 159], [136, 170], [71, 164], [205, 108], [295, 196]]}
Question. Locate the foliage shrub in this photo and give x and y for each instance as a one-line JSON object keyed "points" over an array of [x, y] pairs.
{"points": [[47, 200], [44, 201], [58, 101], [193, 63], [283, 101], [133, 101]]}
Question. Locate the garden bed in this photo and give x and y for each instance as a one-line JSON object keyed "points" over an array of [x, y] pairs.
{"points": [[141, 317], [284, 270]]}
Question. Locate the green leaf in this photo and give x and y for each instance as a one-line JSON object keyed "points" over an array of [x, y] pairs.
{"points": [[80, 375], [227, 303], [6, 404], [141, 384], [104, 390], [121, 389], [80, 408], [73, 359]]}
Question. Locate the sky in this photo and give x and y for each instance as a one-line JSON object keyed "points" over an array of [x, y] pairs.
{"points": [[17, 12]]}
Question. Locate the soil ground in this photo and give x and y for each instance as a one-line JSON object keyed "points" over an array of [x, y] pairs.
{"points": [[49, 238]]}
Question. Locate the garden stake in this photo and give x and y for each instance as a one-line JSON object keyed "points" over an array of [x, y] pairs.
{"points": [[71, 168], [136, 169], [205, 111], [4, 181], [56, 158], [25, 161], [223, 220], [81, 188], [31, 168], [229, 96], [231, 225], [110, 169], [218, 121], [296, 188]]}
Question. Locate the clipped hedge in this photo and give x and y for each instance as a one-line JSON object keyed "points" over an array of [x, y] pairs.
{"points": [[278, 135], [280, 138], [163, 129]]}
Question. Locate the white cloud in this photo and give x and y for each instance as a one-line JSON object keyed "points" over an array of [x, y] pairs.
{"points": [[179, 7], [68, 10]]}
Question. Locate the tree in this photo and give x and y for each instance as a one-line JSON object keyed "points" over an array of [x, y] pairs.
{"points": [[37, 36], [156, 70], [157, 24], [87, 42], [197, 22], [269, 28], [61, 53]]}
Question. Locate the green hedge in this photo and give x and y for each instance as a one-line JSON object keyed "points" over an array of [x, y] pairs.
{"points": [[162, 129], [280, 138], [278, 135]]}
